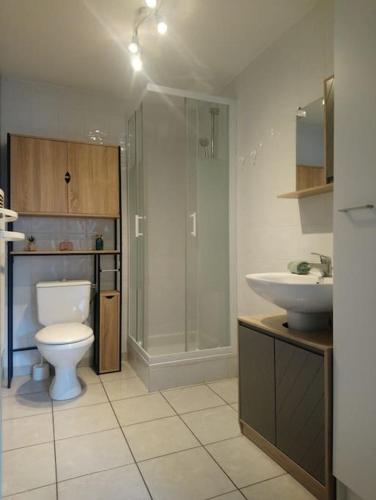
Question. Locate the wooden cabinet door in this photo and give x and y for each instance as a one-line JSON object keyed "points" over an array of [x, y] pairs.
{"points": [[38, 168], [300, 407], [109, 332], [94, 185], [257, 382]]}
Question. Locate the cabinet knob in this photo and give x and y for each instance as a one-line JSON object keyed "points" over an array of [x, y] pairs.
{"points": [[67, 177]]}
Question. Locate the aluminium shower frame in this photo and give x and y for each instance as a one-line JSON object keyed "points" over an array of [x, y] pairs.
{"points": [[231, 103]]}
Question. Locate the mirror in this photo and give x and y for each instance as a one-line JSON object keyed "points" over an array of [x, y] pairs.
{"points": [[314, 140]]}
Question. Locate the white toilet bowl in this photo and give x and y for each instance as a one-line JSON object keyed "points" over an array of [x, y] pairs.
{"points": [[63, 345], [63, 307]]}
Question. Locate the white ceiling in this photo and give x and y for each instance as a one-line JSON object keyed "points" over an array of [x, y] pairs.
{"points": [[83, 43]]}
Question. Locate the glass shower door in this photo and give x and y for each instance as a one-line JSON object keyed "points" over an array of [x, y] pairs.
{"points": [[136, 235], [207, 245]]}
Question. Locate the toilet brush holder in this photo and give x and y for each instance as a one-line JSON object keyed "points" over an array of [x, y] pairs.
{"points": [[41, 371]]}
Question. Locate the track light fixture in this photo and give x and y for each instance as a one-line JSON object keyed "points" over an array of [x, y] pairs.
{"points": [[136, 62], [143, 14], [151, 3], [162, 27], [133, 47]]}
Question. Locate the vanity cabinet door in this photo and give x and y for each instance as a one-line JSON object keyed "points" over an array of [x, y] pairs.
{"points": [[38, 168], [94, 185], [257, 382], [300, 407]]}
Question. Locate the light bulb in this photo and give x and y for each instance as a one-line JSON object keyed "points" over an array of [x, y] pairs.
{"points": [[162, 27], [133, 47], [151, 3], [136, 62]]}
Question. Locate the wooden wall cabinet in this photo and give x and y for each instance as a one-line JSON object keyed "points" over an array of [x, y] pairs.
{"points": [[109, 331], [285, 404], [53, 177]]}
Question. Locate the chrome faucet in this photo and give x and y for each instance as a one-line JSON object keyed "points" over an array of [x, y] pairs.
{"points": [[325, 265]]}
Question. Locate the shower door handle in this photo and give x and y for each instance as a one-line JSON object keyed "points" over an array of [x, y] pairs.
{"points": [[194, 224], [137, 219]]}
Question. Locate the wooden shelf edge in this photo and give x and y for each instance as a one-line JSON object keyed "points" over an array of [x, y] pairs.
{"points": [[71, 252], [304, 193]]}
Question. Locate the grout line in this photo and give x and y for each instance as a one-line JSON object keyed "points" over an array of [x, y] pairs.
{"points": [[26, 416], [28, 490], [95, 472], [266, 480], [54, 437], [86, 434], [199, 445], [130, 449]]}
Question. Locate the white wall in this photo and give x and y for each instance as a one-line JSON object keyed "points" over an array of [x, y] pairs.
{"points": [[355, 247], [52, 111], [272, 231]]}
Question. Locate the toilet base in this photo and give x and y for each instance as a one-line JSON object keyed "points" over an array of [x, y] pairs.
{"points": [[65, 384]]}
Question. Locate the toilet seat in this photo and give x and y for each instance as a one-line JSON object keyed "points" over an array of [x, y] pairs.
{"points": [[63, 333]]}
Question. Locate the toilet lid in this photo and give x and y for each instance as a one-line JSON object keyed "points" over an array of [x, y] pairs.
{"points": [[63, 333]]}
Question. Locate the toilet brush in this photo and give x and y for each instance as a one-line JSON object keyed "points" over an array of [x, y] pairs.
{"points": [[41, 371]]}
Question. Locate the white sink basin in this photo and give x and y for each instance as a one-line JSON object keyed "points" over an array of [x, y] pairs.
{"points": [[308, 299]]}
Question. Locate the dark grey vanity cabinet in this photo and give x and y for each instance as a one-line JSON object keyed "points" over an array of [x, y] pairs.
{"points": [[257, 399], [285, 398], [300, 408]]}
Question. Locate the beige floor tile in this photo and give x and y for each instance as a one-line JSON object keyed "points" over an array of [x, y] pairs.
{"points": [[88, 375], [45, 493], [84, 420], [227, 389], [283, 488], [28, 468], [243, 461], [235, 406], [141, 409], [213, 424], [198, 397], [126, 372], [124, 483], [186, 475], [159, 437], [125, 388], [91, 453], [26, 405], [234, 495], [24, 385], [27, 431], [92, 394]]}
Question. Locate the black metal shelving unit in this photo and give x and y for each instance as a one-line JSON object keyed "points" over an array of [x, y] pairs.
{"points": [[12, 255]]}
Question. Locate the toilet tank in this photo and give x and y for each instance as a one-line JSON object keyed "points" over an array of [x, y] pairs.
{"points": [[63, 301]]}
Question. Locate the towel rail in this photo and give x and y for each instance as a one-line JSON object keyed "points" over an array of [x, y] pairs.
{"points": [[369, 206]]}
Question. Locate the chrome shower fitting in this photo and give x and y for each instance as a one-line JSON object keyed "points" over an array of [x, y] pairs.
{"points": [[213, 112]]}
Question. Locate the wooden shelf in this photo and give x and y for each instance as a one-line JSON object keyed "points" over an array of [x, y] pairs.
{"points": [[72, 252], [304, 193]]}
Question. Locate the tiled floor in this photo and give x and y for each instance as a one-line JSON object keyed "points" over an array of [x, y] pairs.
{"points": [[117, 442]]}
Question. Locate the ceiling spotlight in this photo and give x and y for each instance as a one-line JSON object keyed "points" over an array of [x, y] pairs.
{"points": [[133, 47], [151, 3], [162, 27], [136, 62]]}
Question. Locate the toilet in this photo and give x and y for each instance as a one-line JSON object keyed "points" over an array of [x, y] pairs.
{"points": [[63, 306]]}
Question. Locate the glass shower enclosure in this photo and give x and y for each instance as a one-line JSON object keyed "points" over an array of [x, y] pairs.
{"points": [[178, 179]]}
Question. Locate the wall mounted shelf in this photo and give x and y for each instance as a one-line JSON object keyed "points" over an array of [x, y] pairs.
{"points": [[304, 193], [70, 252]]}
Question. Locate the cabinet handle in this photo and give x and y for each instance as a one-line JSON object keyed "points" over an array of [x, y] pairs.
{"points": [[137, 219], [194, 224], [67, 177]]}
